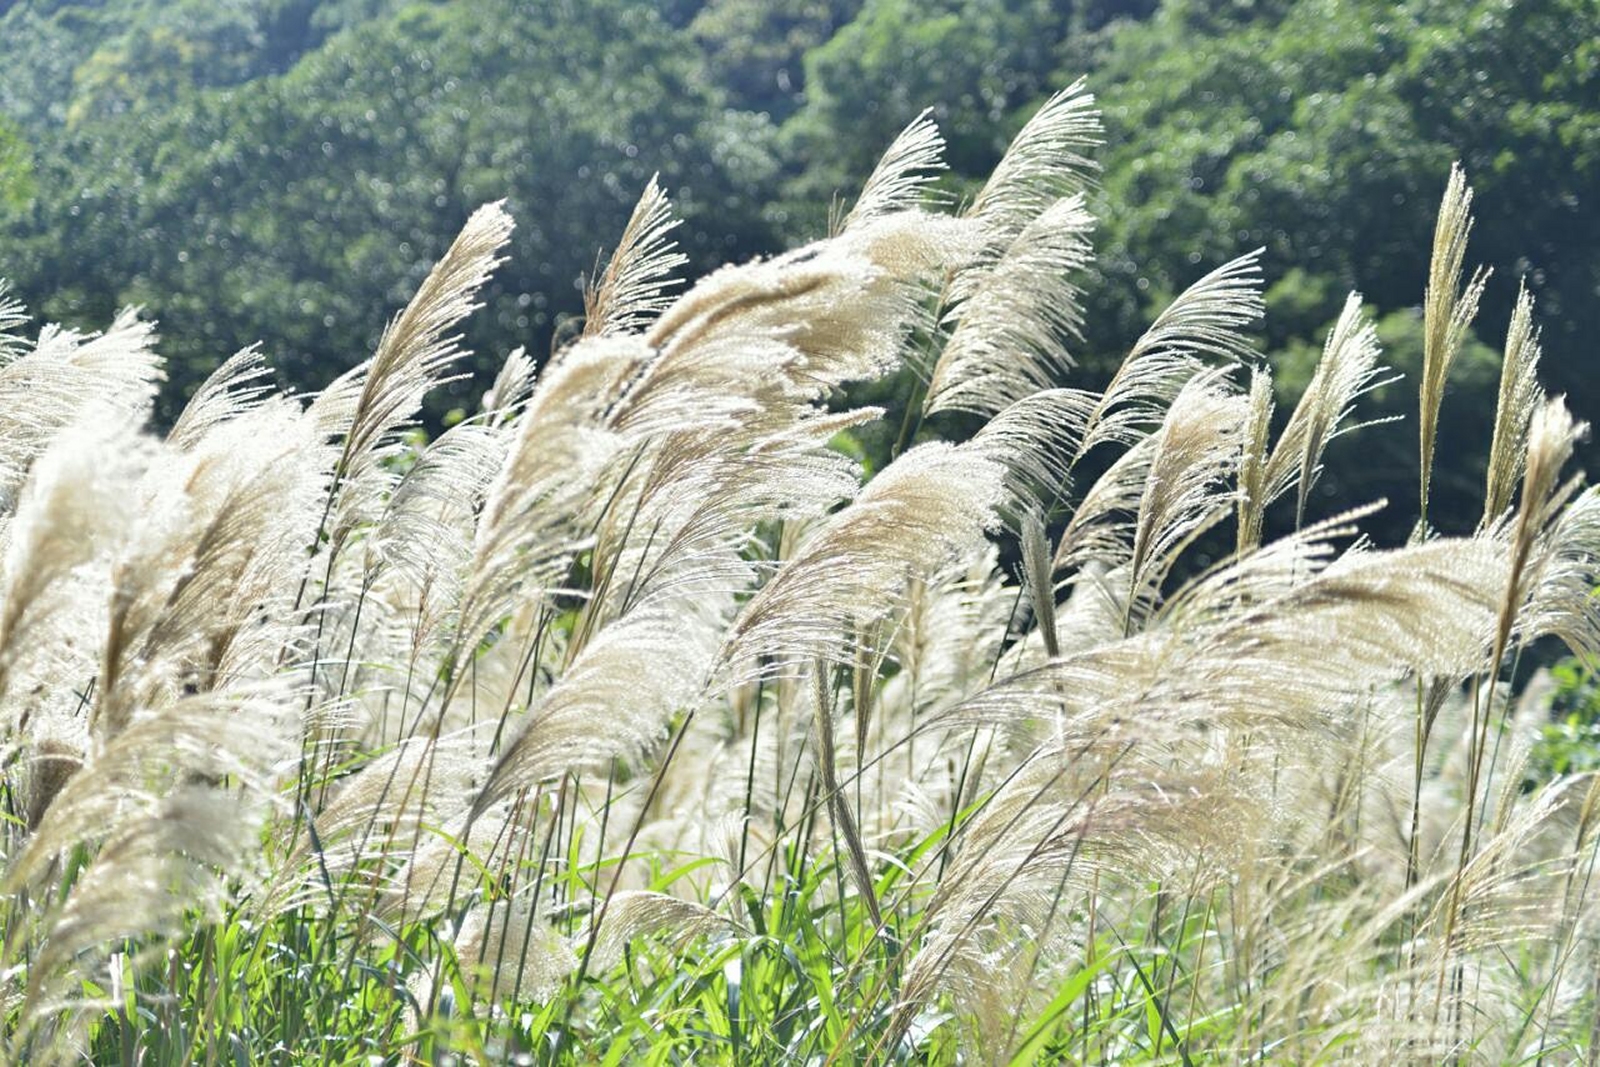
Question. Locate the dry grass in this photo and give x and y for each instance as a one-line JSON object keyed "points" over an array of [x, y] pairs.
{"points": [[623, 719]]}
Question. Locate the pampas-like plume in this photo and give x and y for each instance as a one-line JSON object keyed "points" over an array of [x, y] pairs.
{"points": [[512, 386], [1514, 410], [1348, 368], [507, 949], [900, 180], [375, 817], [202, 591], [1009, 899], [239, 385], [1039, 439], [416, 348], [1551, 437], [427, 530], [1044, 163], [633, 288], [1448, 311], [801, 323], [637, 913], [1100, 529], [1207, 320], [532, 521], [1038, 581], [12, 316], [242, 736], [367, 405], [1173, 484], [73, 507], [1562, 601], [1253, 456], [693, 527], [929, 506], [1195, 453], [1231, 650], [1010, 332], [614, 702], [65, 376]]}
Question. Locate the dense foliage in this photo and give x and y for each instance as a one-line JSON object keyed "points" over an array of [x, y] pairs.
{"points": [[281, 170]]}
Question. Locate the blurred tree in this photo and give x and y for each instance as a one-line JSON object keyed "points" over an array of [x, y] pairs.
{"points": [[286, 169], [974, 62], [756, 48], [70, 59], [284, 211], [17, 188]]}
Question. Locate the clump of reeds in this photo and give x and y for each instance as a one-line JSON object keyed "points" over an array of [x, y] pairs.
{"points": [[623, 715]]}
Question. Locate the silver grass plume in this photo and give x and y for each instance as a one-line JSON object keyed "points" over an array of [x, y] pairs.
{"points": [[148, 883], [417, 546], [370, 824], [416, 348], [1044, 163], [512, 387], [1185, 493], [414, 355], [844, 821], [1230, 650], [1032, 852], [1253, 456], [1552, 435], [74, 506], [1010, 332], [239, 385], [531, 524], [65, 375], [696, 518], [838, 310], [1208, 320], [1515, 408], [1039, 581], [1561, 599], [1428, 608], [901, 178], [13, 315], [1448, 311], [1038, 438], [632, 914], [1100, 529], [507, 948], [929, 506], [614, 702], [243, 735], [1172, 482], [950, 634], [200, 592], [632, 290], [1348, 368], [49, 767]]}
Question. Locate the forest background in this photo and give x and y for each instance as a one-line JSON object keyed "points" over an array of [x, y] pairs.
{"points": [[284, 172]]}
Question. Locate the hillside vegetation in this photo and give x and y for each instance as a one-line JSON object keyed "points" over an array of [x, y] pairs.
{"points": [[285, 171]]}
